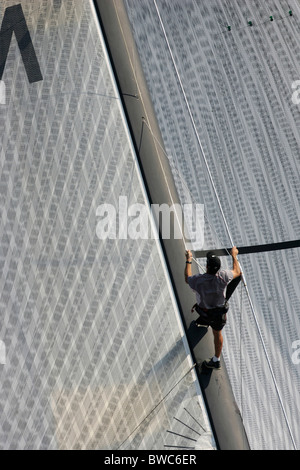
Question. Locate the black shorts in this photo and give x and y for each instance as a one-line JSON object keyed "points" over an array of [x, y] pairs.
{"points": [[215, 318]]}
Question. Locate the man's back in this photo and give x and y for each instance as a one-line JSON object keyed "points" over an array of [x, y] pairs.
{"points": [[211, 289]]}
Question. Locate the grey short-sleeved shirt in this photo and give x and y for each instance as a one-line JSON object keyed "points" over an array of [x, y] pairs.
{"points": [[211, 289]]}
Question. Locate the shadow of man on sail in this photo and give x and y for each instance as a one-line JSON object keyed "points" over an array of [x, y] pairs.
{"points": [[195, 336]]}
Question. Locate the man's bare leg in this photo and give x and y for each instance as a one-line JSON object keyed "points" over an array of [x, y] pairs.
{"points": [[218, 341], [214, 362]]}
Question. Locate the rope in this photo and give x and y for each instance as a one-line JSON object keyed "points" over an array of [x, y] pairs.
{"points": [[224, 219], [184, 182], [193, 123], [241, 354]]}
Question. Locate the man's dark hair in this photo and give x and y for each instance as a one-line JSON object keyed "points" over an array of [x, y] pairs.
{"points": [[213, 263]]}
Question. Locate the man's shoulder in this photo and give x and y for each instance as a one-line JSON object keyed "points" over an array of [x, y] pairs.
{"points": [[195, 276], [192, 280], [225, 274]]}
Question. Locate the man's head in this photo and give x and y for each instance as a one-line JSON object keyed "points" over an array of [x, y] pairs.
{"points": [[213, 263]]}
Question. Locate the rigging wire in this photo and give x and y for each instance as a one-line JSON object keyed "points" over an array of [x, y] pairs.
{"points": [[241, 353], [225, 222], [157, 405], [193, 122], [183, 182]]}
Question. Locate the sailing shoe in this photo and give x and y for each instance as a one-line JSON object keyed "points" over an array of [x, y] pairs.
{"points": [[210, 364]]}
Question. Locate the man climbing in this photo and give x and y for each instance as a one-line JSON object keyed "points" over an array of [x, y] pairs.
{"points": [[213, 289]]}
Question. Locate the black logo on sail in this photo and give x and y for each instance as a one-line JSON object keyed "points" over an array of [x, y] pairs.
{"points": [[14, 22]]}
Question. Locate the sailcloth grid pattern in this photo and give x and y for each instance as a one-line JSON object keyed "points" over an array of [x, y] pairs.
{"points": [[238, 64]]}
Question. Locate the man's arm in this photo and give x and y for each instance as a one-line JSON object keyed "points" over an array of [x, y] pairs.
{"points": [[188, 265], [236, 265]]}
